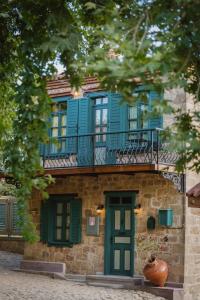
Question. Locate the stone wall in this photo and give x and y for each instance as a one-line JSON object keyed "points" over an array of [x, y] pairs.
{"points": [[192, 247], [88, 257], [12, 245]]}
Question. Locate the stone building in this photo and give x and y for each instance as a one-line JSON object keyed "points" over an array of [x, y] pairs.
{"points": [[117, 197]]}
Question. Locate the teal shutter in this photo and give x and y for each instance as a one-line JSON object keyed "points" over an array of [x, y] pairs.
{"points": [[113, 139], [117, 123], [51, 219], [72, 126], [75, 220], [117, 120], [3, 217], [85, 142], [123, 124], [14, 213], [44, 221], [155, 121]]}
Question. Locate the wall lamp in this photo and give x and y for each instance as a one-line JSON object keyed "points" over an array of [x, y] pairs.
{"points": [[137, 209], [99, 208]]}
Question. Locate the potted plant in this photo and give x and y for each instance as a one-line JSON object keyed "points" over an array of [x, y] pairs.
{"points": [[156, 271]]}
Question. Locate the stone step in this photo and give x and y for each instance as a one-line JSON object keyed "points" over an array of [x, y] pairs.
{"points": [[75, 277], [45, 273], [43, 266], [124, 280], [106, 285], [167, 284], [168, 293]]}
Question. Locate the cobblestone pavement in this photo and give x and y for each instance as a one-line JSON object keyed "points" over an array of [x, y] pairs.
{"points": [[21, 286], [10, 260]]}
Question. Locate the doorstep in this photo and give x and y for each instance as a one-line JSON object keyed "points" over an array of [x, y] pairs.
{"points": [[171, 291], [123, 281]]}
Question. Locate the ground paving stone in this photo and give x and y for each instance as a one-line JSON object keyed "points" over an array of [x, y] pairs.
{"points": [[21, 286]]}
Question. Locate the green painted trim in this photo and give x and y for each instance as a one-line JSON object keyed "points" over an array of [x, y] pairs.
{"points": [[50, 219], [106, 238], [121, 193], [62, 196], [107, 245], [60, 244], [144, 88], [96, 94], [61, 99], [133, 234]]}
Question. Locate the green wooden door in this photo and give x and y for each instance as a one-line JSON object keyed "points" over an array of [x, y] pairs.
{"points": [[120, 234]]}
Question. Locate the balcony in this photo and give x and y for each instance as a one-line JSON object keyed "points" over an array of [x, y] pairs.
{"points": [[101, 152]]}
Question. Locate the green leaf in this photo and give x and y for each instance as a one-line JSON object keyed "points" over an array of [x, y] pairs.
{"points": [[90, 5]]}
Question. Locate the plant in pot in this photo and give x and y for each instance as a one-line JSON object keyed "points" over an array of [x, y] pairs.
{"points": [[156, 271]]}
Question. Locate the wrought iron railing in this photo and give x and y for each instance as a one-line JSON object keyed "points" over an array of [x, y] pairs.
{"points": [[119, 148]]}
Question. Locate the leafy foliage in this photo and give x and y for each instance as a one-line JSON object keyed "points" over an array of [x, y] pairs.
{"points": [[156, 43], [7, 189], [122, 42]]}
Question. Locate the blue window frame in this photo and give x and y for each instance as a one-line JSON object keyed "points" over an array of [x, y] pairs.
{"points": [[62, 221], [137, 120], [58, 130], [100, 119]]}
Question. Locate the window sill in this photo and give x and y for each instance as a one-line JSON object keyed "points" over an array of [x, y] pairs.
{"points": [[11, 238], [60, 244]]}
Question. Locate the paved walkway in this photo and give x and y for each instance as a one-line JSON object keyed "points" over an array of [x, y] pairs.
{"points": [[21, 286]]}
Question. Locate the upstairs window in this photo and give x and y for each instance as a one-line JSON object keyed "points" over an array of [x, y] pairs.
{"points": [[100, 118], [58, 130], [137, 120]]}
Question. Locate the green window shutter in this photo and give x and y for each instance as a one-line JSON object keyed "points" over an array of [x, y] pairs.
{"points": [[85, 143], [44, 221], [14, 221], [75, 221], [117, 121], [3, 218], [72, 125]]}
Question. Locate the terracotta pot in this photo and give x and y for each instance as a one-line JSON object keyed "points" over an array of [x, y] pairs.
{"points": [[156, 271]]}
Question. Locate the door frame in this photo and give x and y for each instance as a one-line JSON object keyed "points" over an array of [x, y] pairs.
{"points": [[107, 231]]}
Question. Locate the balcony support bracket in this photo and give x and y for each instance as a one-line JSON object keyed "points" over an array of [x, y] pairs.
{"points": [[177, 179]]}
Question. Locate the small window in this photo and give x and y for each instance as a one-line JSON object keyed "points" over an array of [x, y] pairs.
{"points": [[101, 101], [126, 200], [9, 217], [114, 200], [105, 100], [61, 220]]}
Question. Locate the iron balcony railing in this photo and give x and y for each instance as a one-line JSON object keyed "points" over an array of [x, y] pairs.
{"points": [[99, 149]]}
